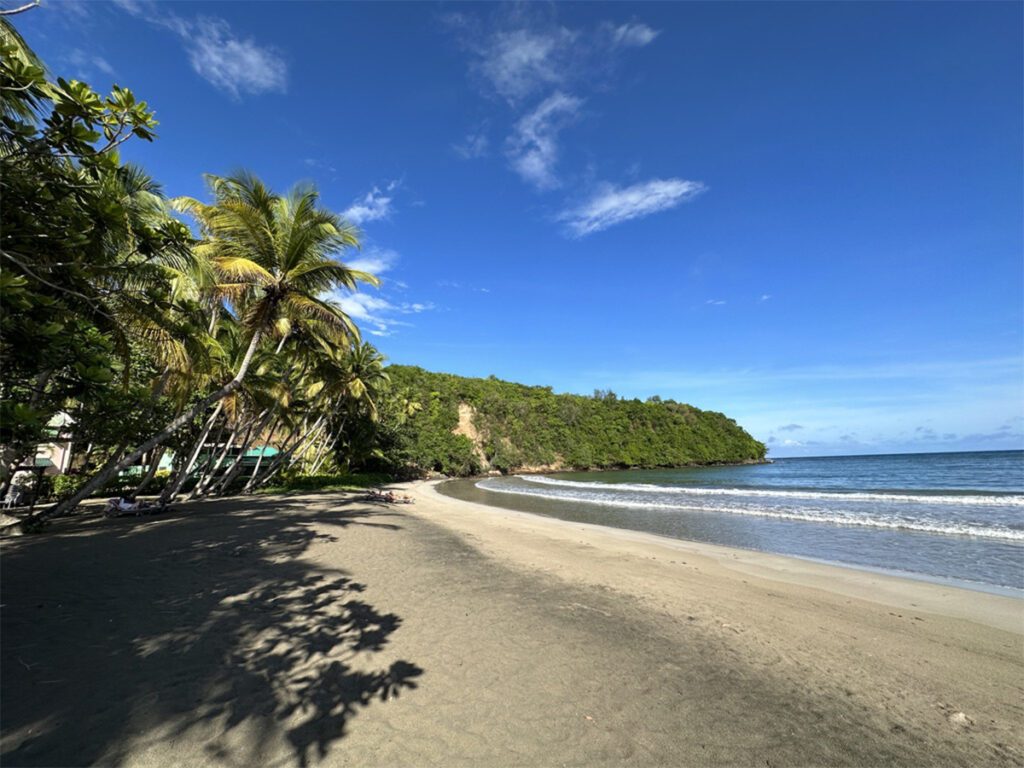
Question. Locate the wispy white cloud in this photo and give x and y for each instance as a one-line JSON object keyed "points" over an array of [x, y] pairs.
{"points": [[374, 260], [765, 296], [379, 316], [521, 52], [632, 34], [319, 165], [518, 54], [375, 312], [368, 310], [103, 65], [533, 145], [460, 286], [134, 7], [611, 205], [475, 144], [375, 205], [78, 9], [88, 63], [517, 63], [231, 63]]}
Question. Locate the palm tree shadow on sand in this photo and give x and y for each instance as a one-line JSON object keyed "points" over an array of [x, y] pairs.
{"points": [[203, 627]]}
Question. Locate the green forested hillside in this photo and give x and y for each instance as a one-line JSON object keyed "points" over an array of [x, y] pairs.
{"points": [[516, 426]]}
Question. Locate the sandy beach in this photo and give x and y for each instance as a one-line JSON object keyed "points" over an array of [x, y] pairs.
{"points": [[326, 630]]}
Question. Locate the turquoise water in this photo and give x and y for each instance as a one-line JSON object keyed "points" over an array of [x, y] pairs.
{"points": [[955, 516]]}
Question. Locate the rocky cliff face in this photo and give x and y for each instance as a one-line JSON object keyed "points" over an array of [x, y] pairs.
{"points": [[467, 428]]}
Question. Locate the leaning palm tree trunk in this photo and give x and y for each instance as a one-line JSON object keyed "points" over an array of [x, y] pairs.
{"points": [[207, 465], [302, 455], [208, 476], [100, 478], [154, 465], [158, 454], [287, 446], [172, 490], [207, 481], [321, 454], [255, 470], [254, 477], [236, 467], [282, 459]]}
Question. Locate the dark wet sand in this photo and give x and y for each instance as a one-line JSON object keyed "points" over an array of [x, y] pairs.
{"points": [[320, 630]]}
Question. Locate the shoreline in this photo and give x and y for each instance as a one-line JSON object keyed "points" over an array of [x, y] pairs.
{"points": [[898, 590], [948, 581], [538, 469]]}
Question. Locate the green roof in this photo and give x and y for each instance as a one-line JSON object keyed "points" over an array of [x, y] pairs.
{"points": [[266, 450]]}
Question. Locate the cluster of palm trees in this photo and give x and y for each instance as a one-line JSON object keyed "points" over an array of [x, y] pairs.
{"points": [[203, 328], [273, 359]]}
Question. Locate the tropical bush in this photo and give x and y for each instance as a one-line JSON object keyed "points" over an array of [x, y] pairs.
{"points": [[65, 486]]}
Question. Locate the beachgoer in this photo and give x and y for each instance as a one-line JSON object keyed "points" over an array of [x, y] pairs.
{"points": [[124, 505], [127, 503]]}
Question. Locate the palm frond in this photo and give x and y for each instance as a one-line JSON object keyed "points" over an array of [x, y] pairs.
{"points": [[325, 275], [240, 269]]}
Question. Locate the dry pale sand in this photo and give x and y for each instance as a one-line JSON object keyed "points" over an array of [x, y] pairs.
{"points": [[322, 630]]}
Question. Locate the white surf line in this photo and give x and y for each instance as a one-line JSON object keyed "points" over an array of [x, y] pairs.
{"points": [[954, 529], [964, 500]]}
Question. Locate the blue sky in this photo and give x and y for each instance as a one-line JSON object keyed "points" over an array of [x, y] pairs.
{"points": [[808, 216]]}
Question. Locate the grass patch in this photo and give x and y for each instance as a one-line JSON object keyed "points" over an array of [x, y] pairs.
{"points": [[354, 482]]}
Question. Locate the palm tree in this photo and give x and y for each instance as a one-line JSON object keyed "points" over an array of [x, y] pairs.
{"points": [[366, 376], [360, 384], [275, 258], [25, 100]]}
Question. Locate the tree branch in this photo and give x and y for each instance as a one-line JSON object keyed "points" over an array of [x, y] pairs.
{"points": [[22, 9]]}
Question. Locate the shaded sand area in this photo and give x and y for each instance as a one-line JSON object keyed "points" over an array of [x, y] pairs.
{"points": [[324, 630]]}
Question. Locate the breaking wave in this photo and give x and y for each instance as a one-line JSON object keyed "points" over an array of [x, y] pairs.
{"points": [[1005, 500], [870, 510]]}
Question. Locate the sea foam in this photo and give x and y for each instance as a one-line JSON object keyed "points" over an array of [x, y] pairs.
{"points": [[865, 511], [1001, 500]]}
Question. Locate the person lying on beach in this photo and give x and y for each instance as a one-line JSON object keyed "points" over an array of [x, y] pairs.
{"points": [[122, 505], [128, 505]]}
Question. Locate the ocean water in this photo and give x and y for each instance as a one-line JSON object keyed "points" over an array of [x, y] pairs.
{"points": [[955, 517]]}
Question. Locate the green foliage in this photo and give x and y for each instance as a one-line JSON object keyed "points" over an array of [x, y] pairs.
{"points": [[80, 234], [65, 486], [341, 482], [61, 487], [531, 426]]}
